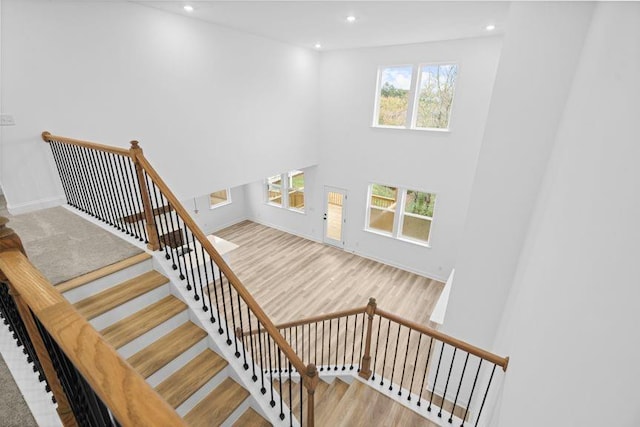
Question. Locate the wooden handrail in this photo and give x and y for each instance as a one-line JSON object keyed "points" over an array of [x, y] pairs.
{"points": [[47, 137], [121, 388], [314, 319], [223, 266], [503, 362]]}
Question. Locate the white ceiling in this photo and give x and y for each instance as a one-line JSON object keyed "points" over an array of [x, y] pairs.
{"points": [[379, 23]]}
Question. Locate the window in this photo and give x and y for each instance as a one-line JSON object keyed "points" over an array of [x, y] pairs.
{"points": [[274, 190], [292, 184], [415, 97], [400, 213], [296, 190], [219, 198]]}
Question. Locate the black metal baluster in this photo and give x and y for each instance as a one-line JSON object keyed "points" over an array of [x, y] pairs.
{"points": [[290, 396], [102, 199], [384, 361], [435, 381], [63, 178], [473, 387], [137, 199], [176, 236], [415, 365], [74, 188], [198, 284], [485, 394], [245, 365], [207, 284], [346, 333], [444, 395], [375, 353], [119, 189], [215, 294], [186, 254], [329, 353], [455, 401], [316, 345], [404, 365], [395, 356], [253, 354], [109, 186], [233, 317], [301, 403], [163, 233], [224, 307], [280, 382], [263, 390], [75, 157], [124, 199], [353, 344], [272, 402], [128, 182], [426, 366], [115, 189], [337, 344], [322, 349]]}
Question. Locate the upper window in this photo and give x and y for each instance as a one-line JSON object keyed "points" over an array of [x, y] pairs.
{"points": [[219, 198], [413, 97], [291, 184], [400, 212]]}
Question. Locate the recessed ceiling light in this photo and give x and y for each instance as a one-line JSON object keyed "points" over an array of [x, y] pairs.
{"points": [[317, 46], [351, 18], [490, 27], [188, 8]]}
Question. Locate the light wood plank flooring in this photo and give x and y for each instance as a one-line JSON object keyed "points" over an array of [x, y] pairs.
{"points": [[292, 278]]}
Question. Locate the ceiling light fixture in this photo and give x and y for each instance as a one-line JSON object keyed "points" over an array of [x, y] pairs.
{"points": [[317, 46], [351, 18], [490, 27], [188, 8]]}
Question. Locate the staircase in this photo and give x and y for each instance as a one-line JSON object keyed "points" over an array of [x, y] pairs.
{"points": [[131, 305]]}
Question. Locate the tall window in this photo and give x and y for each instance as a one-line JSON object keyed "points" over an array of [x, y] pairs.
{"points": [[400, 213], [219, 198], [291, 184], [415, 97]]}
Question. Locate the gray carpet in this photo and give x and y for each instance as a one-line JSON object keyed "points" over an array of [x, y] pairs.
{"points": [[63, 246]]}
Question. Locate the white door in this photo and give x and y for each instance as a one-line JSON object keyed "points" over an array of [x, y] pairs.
{"points": [[335, 205]]}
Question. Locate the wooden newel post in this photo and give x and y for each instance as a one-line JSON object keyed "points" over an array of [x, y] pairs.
{"points": [[152, 232], [365, 365], [9, 240], [311, 382]]}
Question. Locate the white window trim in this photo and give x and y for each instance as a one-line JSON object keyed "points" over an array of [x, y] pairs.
{"points": [[398, 214], [284, 189], [221, 204], [412, 112]]}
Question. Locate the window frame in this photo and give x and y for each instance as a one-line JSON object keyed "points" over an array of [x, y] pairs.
{"points": [[221, 204], [414, 94], [285, 186], [399, 214]]}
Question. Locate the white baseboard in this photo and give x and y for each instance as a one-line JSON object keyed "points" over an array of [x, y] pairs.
{"points": [[228, 224], [36, 205], [283, 229]]}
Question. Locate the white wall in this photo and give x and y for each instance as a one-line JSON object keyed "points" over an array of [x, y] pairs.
{"points": [[541, 49], [212, 107], [212, 220], [571, 324], [354, 154]]}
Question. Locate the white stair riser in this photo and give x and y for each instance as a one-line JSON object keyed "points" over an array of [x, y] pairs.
{"points": [[170, 368], [153, 335], [204, 391], [106, 282], [129, 307]]}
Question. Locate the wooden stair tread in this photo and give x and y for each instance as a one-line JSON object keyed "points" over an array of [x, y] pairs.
{"points": [[106, 300], [140, 322], [191, 377], [325, 407], [363, 406], [155, 356], [101, 272], [295, 399], [216, 407], [251, 418]]}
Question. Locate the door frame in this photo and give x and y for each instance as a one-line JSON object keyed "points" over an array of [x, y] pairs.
{"points": [[327, 240]]}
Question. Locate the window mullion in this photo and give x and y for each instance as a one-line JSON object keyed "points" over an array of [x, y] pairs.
{"points": [[402, 193], [413, 92]]}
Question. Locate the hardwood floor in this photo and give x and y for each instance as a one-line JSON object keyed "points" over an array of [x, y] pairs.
{"points": [[292, 278]]}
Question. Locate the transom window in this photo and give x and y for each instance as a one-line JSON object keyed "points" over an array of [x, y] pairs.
{"points": [[400, 212], [415, 97], [290, 183], [219, 198]]}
